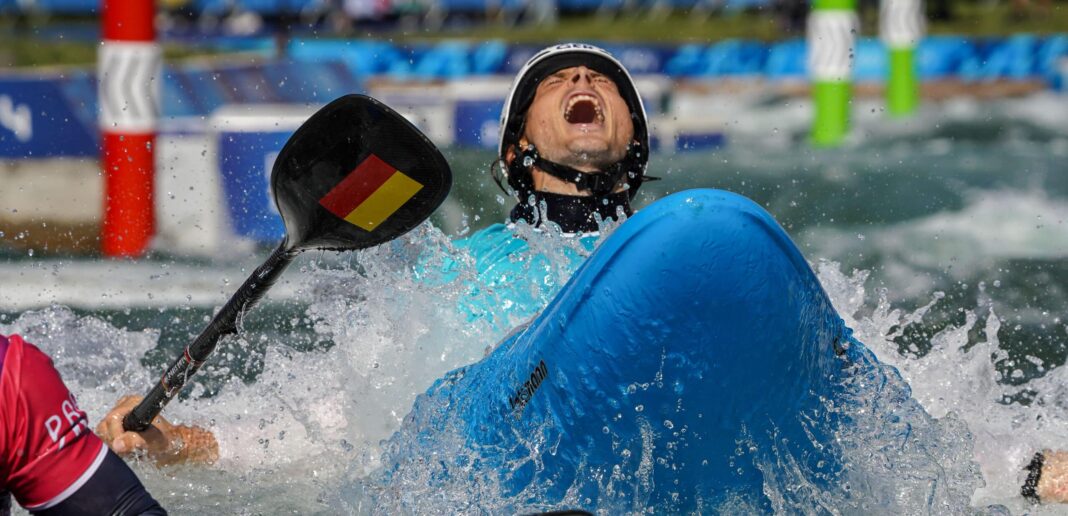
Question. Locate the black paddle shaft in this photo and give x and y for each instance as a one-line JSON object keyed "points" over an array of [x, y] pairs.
{"points": [[224, 323]]}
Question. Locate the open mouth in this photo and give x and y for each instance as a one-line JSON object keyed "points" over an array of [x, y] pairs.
{"points": [[583, 109]]}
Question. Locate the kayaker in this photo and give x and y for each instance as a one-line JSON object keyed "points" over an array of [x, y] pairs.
{"points": [[51, 462], [573, 150], [574, 147], [574, 140]]}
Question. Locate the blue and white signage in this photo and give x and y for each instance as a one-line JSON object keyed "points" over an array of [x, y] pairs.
{"points": [[38, 121]]}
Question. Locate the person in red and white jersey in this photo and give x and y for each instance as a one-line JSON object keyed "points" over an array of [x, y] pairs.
{"points": [[50, 460]]}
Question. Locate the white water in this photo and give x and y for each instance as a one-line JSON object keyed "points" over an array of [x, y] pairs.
{"points": [[302, 435], [772, 122], [993, 226], [123, 284], [957, 380], [289, 439]]}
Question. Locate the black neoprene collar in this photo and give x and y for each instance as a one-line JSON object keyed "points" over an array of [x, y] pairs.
{"points": [[572, 213]]}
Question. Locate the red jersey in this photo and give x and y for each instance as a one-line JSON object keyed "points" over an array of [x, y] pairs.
{"points": [[47, 450]]}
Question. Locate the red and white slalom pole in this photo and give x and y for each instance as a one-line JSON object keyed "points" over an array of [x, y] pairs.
{"points": [[129, 68]]}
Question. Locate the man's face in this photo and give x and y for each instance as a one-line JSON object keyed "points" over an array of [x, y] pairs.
{"points": [[579, 119]]}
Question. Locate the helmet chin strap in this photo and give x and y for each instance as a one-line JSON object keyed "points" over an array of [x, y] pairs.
{"points": [[599, 184]]}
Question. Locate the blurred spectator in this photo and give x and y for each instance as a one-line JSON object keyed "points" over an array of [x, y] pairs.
{"points": [[792, 15], [542, 12], [940, 10], [231, 18], [176, 15], [359, 10], [1024, 9]]}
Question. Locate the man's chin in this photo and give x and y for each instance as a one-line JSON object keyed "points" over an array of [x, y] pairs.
{"points": [[588, 148], [589, 160]]}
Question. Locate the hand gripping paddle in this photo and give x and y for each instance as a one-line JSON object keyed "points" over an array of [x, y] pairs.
{"points": [[355, 175]]}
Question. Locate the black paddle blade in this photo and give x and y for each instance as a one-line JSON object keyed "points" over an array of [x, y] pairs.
{"points": [[355, 175]]}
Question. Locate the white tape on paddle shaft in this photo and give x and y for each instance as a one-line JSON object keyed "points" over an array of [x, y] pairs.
{"points": [[831, 39], [129, 76], [901, 22]]}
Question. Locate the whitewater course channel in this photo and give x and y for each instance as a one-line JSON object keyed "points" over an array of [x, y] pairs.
{"points": [[941, 240]]}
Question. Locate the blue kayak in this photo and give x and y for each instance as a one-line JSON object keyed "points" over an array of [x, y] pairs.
{"points": [[695, 334]]}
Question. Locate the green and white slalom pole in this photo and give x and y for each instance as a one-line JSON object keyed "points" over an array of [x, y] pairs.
{"points": [[901, 25], [832, 31]]}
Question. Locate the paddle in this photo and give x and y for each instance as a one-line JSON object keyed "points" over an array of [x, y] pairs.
{"points": [[355, 175]]}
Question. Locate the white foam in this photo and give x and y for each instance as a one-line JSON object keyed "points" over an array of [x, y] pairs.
{"points": [[101, 285], [958, 379], [291, 438], [993, 225]]}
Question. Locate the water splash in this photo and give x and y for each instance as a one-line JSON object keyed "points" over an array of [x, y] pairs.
{"points": [[305, 434], [959, 376]]}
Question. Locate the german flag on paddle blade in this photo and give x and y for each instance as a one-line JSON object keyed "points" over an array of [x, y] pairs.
{"points": [[372, 192]]}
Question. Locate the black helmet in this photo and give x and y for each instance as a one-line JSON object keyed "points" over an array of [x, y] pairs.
{"points": [[545, 63]]}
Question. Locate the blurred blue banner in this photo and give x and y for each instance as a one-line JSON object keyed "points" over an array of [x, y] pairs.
{"points": [[245, 162], [476, 122], [37, 120]]}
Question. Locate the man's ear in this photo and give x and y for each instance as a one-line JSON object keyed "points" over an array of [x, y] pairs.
{"points": [[509, 155]]}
